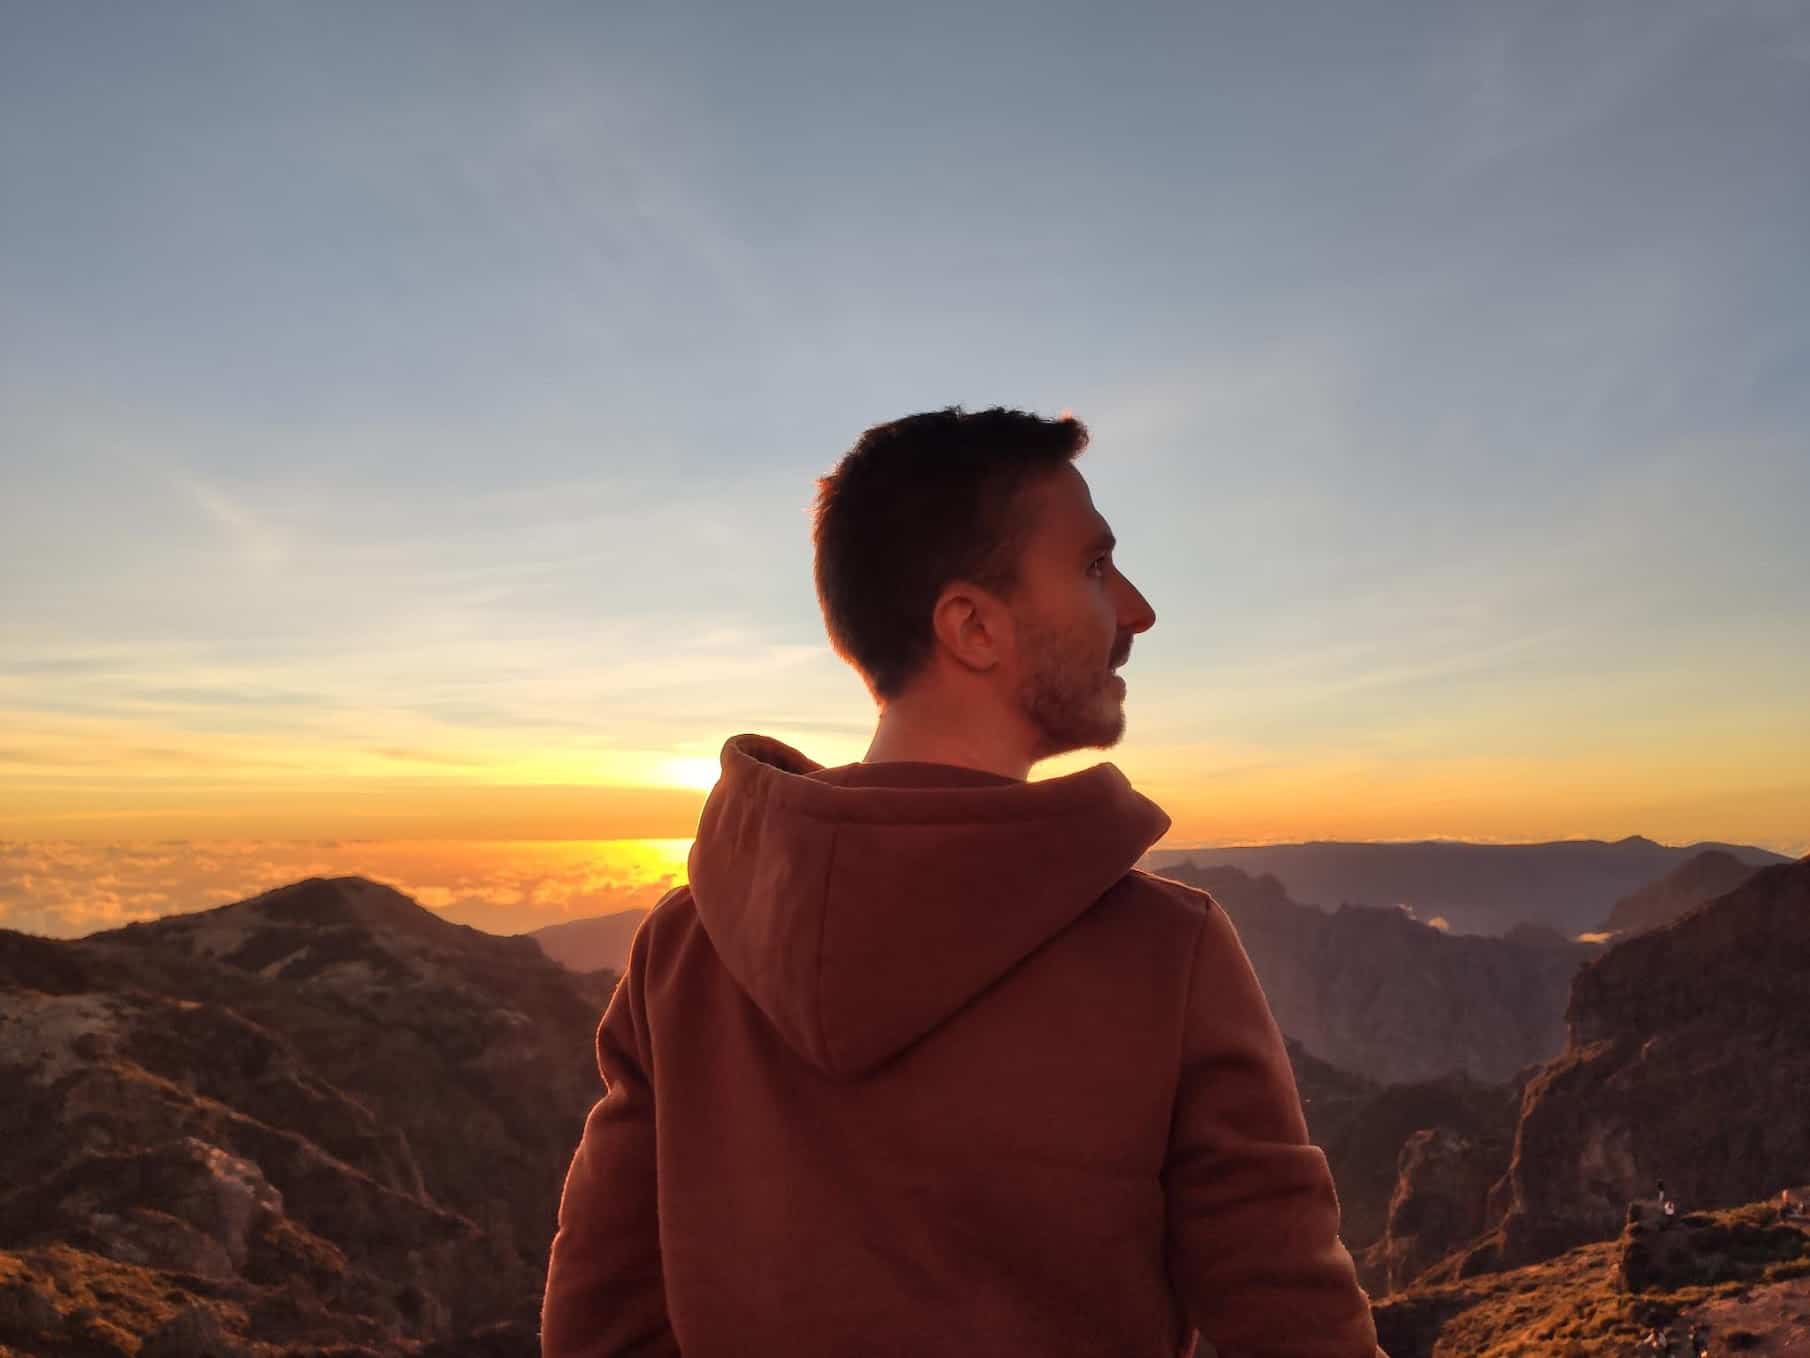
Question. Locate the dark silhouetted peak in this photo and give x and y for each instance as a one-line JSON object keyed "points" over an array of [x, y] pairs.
{"points": [[1727, 964], [1697, 880], [598, 943], [316, 902], [348, 932], [341, 900]]}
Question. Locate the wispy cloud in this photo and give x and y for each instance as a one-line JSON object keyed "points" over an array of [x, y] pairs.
{"points": [[252, 536]]}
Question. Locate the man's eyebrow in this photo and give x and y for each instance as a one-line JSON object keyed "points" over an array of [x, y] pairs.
{"points": [[1103, 541]]}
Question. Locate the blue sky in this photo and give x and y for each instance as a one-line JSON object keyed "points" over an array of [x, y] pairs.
{"points": [[399, 394]]}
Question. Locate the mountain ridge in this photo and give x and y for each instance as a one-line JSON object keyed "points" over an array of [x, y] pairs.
{"points": [[1568, 885], [1378, 993]]}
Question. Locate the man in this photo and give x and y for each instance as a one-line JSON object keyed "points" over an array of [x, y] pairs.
{"points": [[918, 1063]]}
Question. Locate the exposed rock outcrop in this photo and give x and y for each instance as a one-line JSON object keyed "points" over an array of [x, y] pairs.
{"points": [[1441, 1202], [1737, 1280], [1364, 1127], [1688, 1060]]}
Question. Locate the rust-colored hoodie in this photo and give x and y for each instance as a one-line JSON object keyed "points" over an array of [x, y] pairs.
{"points": [[918, 1064]]}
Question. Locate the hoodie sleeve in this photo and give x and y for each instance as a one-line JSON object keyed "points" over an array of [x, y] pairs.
{"points": [[1253, 1218], [606, 1293]]}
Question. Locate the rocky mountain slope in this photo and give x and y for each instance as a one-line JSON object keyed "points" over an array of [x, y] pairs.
{"points": [[1712, 873], [1477, 888], [1737, 1280], [1447, 1185], [319, 1116], [1379, 994], [1688, 1060], [1365, 1129]]}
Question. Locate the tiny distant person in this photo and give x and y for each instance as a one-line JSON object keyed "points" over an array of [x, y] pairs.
{"points": [[918, 1062], [1662, 1193]]}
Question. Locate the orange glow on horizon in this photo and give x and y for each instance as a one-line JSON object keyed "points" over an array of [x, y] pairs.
{"points": [[108, 780]]}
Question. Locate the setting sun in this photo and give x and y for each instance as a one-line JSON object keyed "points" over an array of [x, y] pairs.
{"points": [[699, 772]]}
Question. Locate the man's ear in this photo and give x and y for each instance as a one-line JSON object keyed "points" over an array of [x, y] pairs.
{"points": [[971, 625]]}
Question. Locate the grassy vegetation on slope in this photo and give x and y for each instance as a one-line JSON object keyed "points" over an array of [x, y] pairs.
{"points": [[1599, 1300]]}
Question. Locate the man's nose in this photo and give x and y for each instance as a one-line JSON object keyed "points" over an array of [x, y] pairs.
{"points": [[1135, 612]]}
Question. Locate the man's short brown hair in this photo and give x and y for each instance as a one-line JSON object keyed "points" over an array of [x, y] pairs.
{"points": [[915, 504]]}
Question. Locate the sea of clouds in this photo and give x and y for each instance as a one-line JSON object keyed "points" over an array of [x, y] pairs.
{"points": [[64, 889]]}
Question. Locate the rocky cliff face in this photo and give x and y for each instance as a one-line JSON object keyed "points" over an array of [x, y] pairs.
{"points": [[1441, 1202], [1688, 1060], [1712, 873], [1366, 1130], [1377, 993], [322, 1115]]}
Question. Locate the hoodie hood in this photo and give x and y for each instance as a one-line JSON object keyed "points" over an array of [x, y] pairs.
{"points": [[860, 906]]}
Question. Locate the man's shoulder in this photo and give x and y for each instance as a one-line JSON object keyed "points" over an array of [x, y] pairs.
{"points": [[1166, 895], [1162, 899], [675, 912]]}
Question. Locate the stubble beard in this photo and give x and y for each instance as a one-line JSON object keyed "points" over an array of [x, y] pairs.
{"points": [[1067, 692]]}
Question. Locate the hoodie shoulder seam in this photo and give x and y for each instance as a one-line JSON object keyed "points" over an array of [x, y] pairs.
{"points": [[1197, 897], [674, 902]]}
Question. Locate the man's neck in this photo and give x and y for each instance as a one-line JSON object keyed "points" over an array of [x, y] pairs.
{"points": [[905, 735]]}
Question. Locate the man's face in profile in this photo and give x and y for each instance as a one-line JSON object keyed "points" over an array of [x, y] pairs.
{"points": [[1074, 617]]}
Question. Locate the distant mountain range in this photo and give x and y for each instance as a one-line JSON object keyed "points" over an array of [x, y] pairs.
{"points": [[1569, 885], [1528, 892]]}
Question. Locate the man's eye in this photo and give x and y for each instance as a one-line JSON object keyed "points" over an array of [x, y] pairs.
{"points": [[1099, 562]]}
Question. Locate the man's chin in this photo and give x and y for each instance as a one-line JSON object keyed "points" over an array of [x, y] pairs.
{"points": [[1097, 726], [1099, 736]]}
